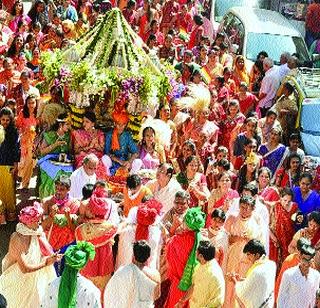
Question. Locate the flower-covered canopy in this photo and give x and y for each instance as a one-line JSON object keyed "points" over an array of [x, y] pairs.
{"points": [[106, 65]]}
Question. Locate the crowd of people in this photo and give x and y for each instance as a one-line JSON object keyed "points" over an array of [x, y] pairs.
{"points": [[224, 213]]}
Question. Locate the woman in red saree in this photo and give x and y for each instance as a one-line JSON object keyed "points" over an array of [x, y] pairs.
{"points": [[234, 118], [289, 175], [188, 149], [180, 255], [197, 32], [145, 19], [222, 196], [89, 140], [247, 100], [194, 181], [281, 226], [228, 81], [267, 192]]}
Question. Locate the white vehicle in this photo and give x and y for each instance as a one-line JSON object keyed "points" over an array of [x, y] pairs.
{"points": [[250, 30], [220, 7], [306, 84]]}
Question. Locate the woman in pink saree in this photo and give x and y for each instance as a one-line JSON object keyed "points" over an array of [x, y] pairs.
{"points": [[89, 140]]}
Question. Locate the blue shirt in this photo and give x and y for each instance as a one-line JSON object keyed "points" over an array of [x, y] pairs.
{"points": [[127, 145], [312, 203]]}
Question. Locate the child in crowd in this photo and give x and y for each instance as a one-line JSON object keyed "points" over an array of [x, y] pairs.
{"points": [[133, 193]]}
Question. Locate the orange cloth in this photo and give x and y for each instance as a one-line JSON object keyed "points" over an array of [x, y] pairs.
{"points": [[115, 145], [130, 203], [291, 261], [10, 79], [120, 117]]}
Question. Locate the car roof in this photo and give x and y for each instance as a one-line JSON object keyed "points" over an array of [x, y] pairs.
{"points": [[264, 21]]}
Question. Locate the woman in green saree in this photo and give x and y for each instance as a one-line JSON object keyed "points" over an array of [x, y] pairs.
{"points": [[55, 152]]}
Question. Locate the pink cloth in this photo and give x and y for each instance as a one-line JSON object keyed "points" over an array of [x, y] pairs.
{"points": [[83, 139], [13, 24], [270, 194], [148, 161], [31, 214]]}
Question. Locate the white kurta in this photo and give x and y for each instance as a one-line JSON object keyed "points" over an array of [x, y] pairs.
{"points": [[129, 287], [88, 295], [127, 239], [296, 291], [26, 289], [257, 288], [78, 179]]}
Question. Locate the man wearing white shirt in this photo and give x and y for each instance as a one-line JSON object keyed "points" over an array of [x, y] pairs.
{"points": [[84, 175], [269, 86], [256, 289], [299, 284], [283, 69], [164, 187], [134, 285]]}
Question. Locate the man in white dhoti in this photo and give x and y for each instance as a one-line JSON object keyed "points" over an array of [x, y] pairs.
{"points": [[299, 284], [142, 223], [256, 290], [72, 289], [28, 265], [164, 187], [134, 285]]}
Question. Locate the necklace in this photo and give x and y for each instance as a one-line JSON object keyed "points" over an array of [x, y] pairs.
{"points": [[189, 179]]}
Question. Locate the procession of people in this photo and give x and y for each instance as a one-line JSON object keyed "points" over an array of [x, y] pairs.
{"points": [[209, 204]]}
